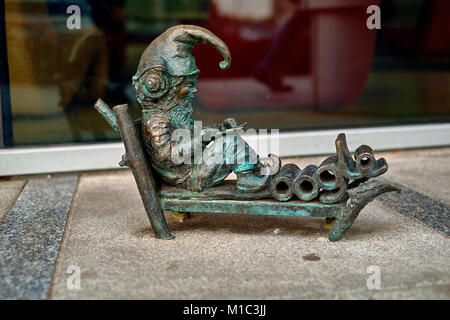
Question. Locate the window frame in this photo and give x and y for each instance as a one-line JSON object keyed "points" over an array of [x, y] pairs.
{"points": [[103, 156]]}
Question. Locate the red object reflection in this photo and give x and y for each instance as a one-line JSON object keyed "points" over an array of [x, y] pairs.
{"points": [[308, 53]]}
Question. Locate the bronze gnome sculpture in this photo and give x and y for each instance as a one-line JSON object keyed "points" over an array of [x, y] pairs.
{"points": [[165, 81], [165, 86]]}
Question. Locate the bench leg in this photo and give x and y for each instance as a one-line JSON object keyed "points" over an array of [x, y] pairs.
{"points": [[135, 159], [359, 197]]}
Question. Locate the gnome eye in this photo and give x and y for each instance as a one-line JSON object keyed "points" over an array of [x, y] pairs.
{"points": [[184, 90]]}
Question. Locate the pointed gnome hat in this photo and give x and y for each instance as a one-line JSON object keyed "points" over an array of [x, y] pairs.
{"points": [[173, 50]]}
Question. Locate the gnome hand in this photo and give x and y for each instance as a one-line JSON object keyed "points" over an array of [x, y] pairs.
{"points": [[229, 123], [209, 134]]}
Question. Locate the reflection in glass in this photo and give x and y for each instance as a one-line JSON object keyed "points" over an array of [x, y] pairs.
{"points": [[297, 64]]}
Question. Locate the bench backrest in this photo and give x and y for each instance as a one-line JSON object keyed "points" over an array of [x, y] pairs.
{"points": [[156, 176]]}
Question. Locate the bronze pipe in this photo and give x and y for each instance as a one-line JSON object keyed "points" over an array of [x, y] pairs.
{"points": [[306, 187], [365, 159], [282, 187], [366, 163], [327, 174], [336, 195]]}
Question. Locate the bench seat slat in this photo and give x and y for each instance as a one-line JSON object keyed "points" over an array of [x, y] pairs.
{"points": [[260, 207]]}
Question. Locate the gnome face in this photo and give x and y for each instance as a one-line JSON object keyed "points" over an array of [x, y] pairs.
{"points": [[188, 88], [181, 103], [167, 73]]}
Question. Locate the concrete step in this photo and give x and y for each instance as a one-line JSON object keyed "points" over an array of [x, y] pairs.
{"points": [[87, 236]]}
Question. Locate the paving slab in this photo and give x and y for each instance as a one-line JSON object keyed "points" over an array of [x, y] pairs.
{"points": [[31, 235], [223, 256], [426, 171], [433, 213], [9, 191]]}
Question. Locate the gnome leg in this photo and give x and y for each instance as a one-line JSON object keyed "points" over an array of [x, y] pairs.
{"points": [[227, 154]]}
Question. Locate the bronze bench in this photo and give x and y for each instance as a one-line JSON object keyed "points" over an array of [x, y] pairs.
{"points": [[224, 198]]}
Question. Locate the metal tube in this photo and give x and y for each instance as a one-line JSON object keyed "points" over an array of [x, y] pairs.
{"points": [[135, 159], [336, 195], [327, 175], [282, 187], [365, 159], [366, 163], [331, 180], [306, 187]]}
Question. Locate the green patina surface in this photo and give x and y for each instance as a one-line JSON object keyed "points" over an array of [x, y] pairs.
{"points": [[259, 207]]}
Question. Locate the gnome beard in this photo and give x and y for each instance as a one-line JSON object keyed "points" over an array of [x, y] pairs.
{"points": [[182, 114]]}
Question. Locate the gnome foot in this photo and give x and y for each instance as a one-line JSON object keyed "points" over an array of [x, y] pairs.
{"points": [[251, 181], [261, 178]]}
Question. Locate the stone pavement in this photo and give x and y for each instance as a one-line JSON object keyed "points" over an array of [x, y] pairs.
{"points": [[105, 235]]}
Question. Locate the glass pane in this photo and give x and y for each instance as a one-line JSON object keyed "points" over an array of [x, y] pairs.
{"points": [[297, 64]]}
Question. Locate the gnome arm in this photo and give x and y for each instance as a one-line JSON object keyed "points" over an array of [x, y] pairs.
{"points": [[157, 134], [228, 123]]}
